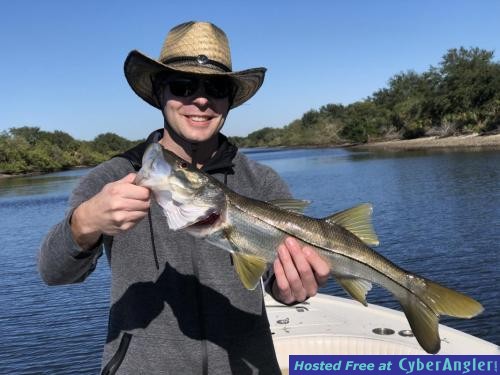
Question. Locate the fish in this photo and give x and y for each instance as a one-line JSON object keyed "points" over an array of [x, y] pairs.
{"points": [[251, 231]]}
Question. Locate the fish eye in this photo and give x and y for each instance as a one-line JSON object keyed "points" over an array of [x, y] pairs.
{"points": [[183, 165]]}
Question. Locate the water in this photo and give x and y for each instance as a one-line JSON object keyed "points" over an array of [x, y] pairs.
{"points": [[437, 214], [44, 330]]}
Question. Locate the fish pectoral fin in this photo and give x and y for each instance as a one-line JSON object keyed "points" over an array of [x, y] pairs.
{"points": [[357, 288], [294, 205], [249, 268], [358, 221]]}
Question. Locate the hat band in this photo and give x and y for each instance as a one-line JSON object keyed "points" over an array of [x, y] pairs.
{"points": [[198, 60]]}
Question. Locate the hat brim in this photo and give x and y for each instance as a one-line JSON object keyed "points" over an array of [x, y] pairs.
{"points": [[140, 71]]}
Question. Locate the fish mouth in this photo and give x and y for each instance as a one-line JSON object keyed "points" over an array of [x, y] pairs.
{"points": [[209, 220], [155, 167]]}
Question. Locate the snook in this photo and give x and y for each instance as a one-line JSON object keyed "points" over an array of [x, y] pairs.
{"points": [[251, 231]]}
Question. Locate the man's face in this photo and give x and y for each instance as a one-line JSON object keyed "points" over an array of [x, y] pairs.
{"points": [[196, 106]]}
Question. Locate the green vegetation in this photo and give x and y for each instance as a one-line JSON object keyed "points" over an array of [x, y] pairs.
{"points": [[29, 149], [461, 95]]}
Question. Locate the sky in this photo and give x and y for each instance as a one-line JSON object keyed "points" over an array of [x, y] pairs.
{"points": [[61, 61]]}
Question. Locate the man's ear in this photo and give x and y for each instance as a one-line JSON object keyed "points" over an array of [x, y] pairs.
{"points": [[159, 93], [159, 89]]}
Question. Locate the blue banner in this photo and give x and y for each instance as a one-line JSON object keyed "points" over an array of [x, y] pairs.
{"points": [[393, 364]]}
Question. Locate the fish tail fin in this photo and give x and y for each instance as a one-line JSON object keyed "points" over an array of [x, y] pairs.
{"points": [[450, 302], [424, 307]]}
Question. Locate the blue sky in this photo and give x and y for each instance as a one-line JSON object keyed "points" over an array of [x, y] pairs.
{"points": [[61, 65]]}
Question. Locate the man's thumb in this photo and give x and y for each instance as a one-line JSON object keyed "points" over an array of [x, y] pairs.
{"points": [[128, 178]]}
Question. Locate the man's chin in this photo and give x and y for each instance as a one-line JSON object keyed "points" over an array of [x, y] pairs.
{"points": [[199, 136]]}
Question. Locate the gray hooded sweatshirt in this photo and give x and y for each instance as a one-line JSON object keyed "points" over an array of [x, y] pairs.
{"points": [[177, 305]]}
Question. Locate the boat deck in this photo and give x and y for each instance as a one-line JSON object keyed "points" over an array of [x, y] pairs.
{"points": [[333, 325]]}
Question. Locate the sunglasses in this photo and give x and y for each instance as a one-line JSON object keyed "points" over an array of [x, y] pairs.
{"points": [[215, 87]]}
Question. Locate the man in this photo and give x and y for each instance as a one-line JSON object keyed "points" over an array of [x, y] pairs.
{"points": [[177, 306]]}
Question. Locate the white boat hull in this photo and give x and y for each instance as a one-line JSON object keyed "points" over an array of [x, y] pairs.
{"points": [[333, 325]]}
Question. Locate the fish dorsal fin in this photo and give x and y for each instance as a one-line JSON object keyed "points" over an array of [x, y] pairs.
{"points": [[294, 205], [357, 220], [357, 288], [249, 268]]}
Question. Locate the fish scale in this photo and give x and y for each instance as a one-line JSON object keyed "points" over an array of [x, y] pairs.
{"points": [[251, 230]]}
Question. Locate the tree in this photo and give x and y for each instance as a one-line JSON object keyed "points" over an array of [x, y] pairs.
{"points": [[310, 118], [470, 83], [62, 140], [364, 121], [110, 143], [31, 134], [29, 149]]}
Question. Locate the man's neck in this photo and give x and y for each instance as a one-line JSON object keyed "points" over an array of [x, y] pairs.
{"points": [[201, 152]]}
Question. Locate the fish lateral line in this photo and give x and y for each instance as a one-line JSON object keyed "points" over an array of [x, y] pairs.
{"points": [[352, 258]]}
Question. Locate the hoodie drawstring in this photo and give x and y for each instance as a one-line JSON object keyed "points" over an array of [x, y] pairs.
{"points": [[151, 232]]}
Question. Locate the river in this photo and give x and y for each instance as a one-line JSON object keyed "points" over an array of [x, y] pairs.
{"points": [[436, 214]]}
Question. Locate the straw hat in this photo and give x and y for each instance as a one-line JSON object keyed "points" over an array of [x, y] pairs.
{"points": [[192, 47]]}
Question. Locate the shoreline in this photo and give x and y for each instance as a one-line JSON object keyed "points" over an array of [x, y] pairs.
{"points": [[459, 142], [32, 174]]}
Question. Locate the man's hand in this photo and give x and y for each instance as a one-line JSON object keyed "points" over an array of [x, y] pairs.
{"points": [[299, 272], [117, 207]]}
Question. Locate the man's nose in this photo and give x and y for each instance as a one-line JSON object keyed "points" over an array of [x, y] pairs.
{"points": [[200, 97]]}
